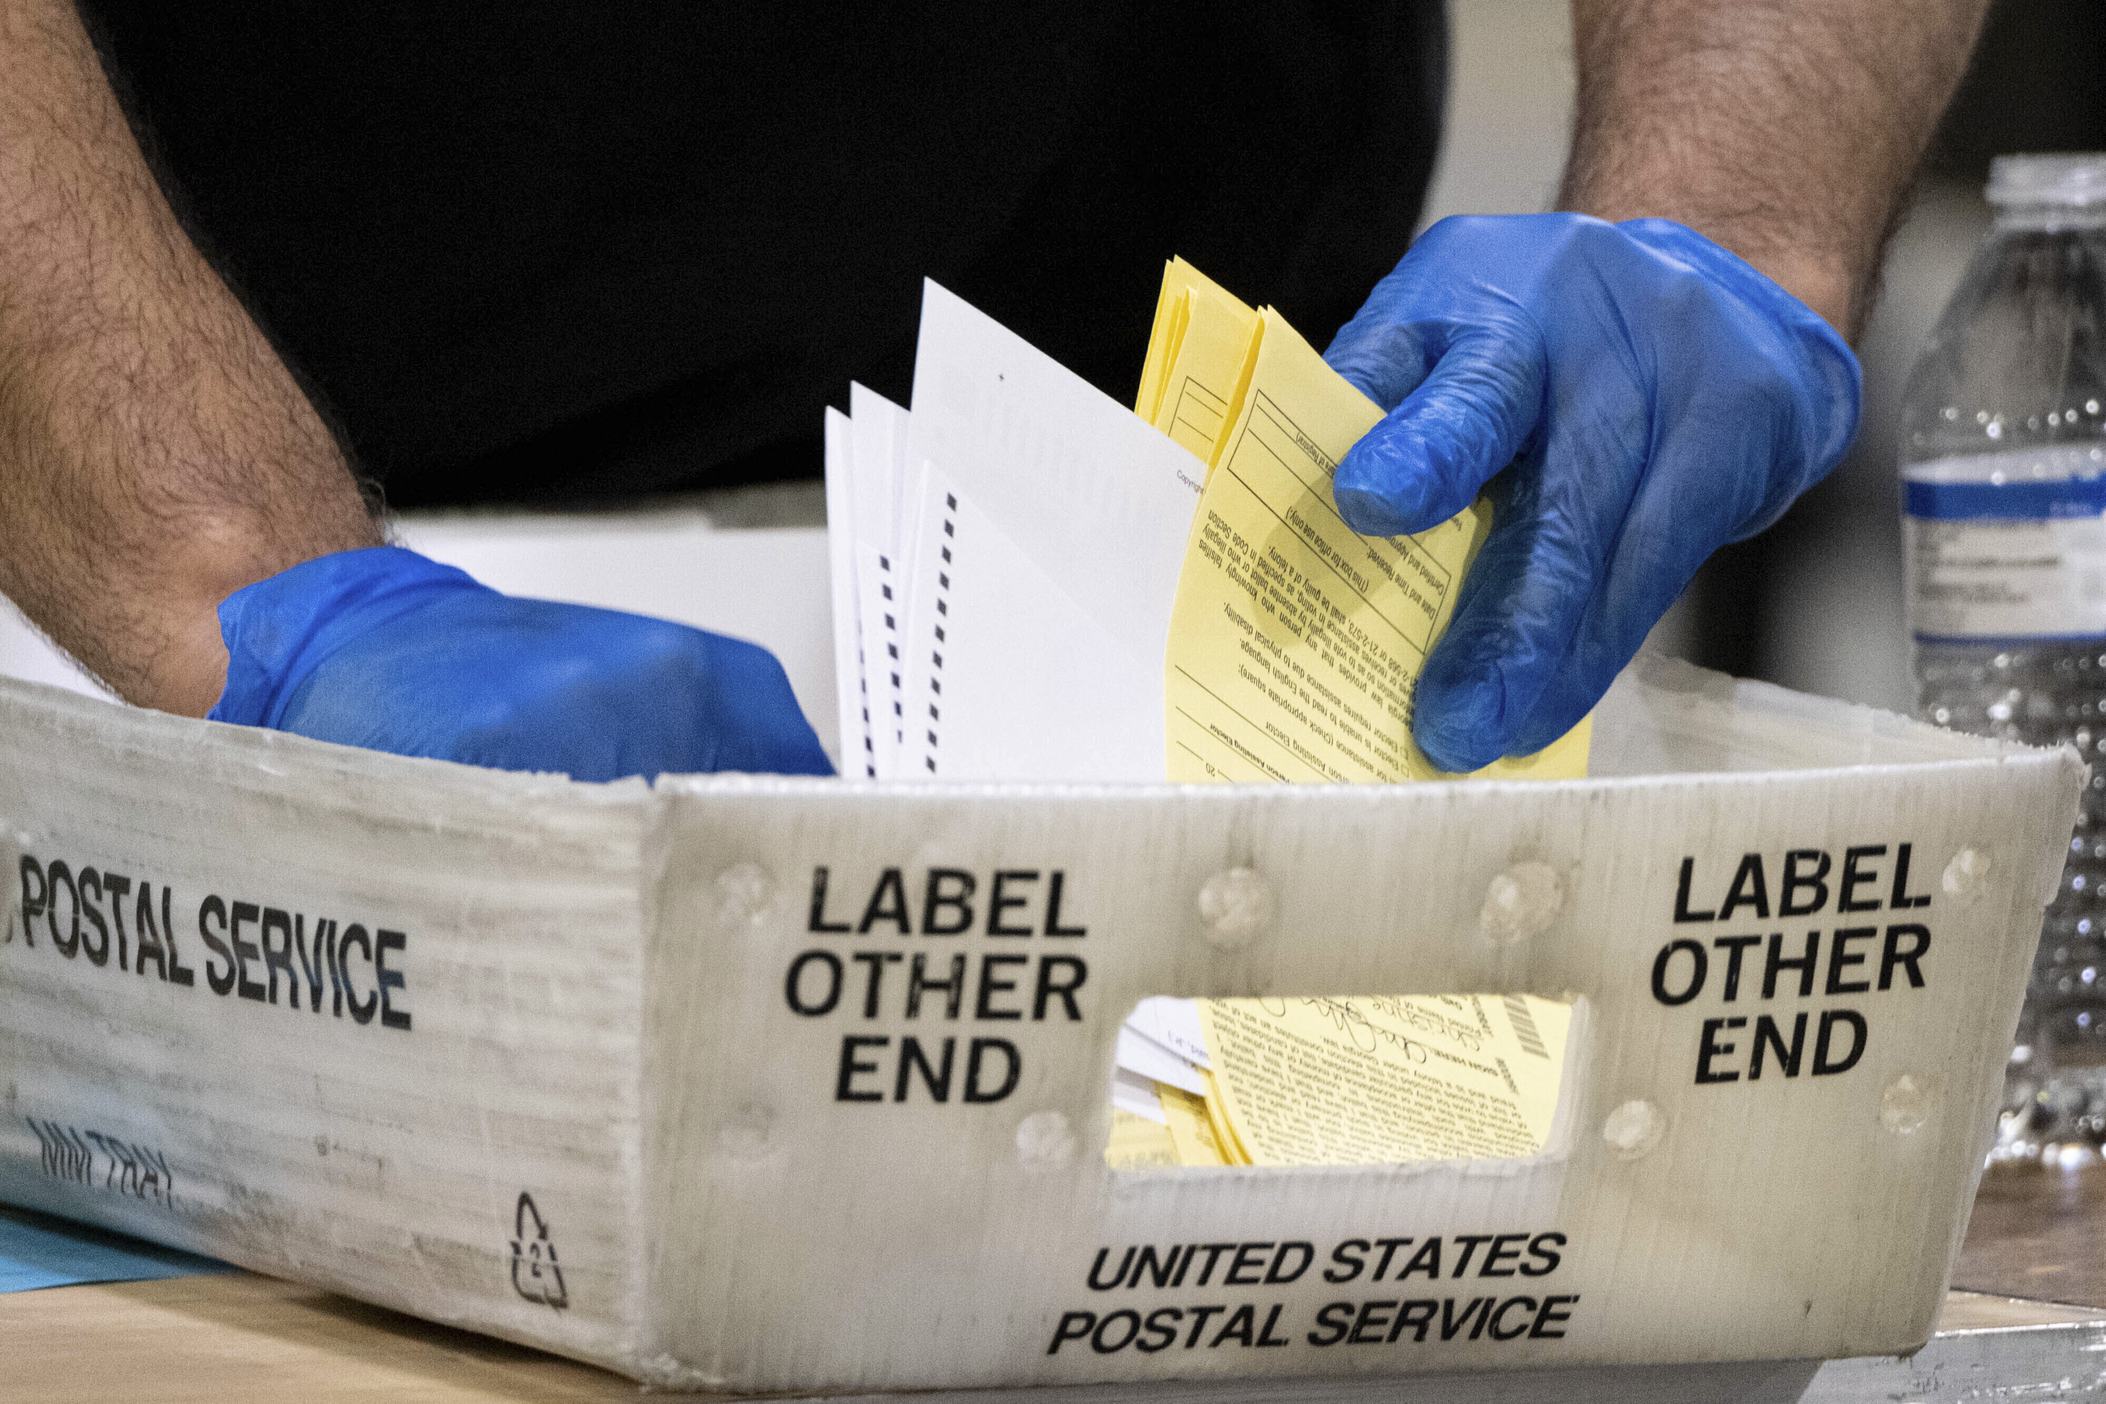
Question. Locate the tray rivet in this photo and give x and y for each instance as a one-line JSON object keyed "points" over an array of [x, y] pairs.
{"points": [[1967, 875], [748, 1133], [1043, 1141], [1905, 1105], [1634, 1128], [743, 893], [1236, 905], [1520, 902]]}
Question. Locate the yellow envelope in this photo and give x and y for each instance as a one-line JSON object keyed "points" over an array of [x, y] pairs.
{"points": [[1296, 643], [1385, 1079], [1191, 1129], [1139, 1144], [1196, 358]]}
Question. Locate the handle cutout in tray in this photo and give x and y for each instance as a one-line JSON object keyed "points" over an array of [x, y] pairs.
{"points": [[1337, 1080]]}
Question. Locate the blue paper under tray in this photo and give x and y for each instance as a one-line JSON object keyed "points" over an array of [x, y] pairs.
{"points": [[41, 1250]]}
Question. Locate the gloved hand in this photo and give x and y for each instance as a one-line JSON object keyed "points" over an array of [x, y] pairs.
{"points": [[1656, 398], [384, 649]]}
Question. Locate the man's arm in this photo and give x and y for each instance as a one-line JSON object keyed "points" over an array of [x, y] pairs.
{"points": [[1788, 131], [155, 453], [175, 513], [1662, 370]]}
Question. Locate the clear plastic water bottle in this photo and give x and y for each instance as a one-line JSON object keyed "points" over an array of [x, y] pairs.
{"points": [[2004, 486]]}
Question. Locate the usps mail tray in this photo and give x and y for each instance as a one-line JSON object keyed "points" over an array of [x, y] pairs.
{"points": [[617, 1070]]}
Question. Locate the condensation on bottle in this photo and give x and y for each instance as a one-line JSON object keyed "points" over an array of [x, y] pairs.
{"points": [[2003, 466]]}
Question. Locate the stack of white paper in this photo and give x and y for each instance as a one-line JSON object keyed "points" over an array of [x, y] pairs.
{"points": [[1160, 1042], [1005, 559]]}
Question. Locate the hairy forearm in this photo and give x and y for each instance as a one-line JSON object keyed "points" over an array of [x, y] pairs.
{"points": [[155, 453], [1787, 130]]}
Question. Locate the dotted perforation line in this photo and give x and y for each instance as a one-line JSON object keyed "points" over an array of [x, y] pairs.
{"points": [[863, 687], [943, 614], [899, 715]]}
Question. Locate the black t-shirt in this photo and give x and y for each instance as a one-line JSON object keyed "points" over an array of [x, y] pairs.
{"points": [[562, 252]]}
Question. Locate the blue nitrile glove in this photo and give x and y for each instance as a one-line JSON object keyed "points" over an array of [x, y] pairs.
{"points": [[384, 649], [1657, 398]]}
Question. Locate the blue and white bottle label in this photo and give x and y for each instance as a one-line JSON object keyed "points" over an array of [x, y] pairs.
{"points": [[2007, 545]]}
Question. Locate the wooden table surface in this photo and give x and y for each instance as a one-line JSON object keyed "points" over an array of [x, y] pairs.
{"points": [[241, 1337], [2037, 1233]]}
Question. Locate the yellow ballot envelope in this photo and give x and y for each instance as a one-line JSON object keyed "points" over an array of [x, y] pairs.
{"points": [[1295, 642], [1197, 355], [1338, 1080]]}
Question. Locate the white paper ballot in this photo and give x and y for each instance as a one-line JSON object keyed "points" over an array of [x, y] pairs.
{"points": [[1143, 1056], [1009, 677], [1068, 516], [1006, 560], [878, 442], [1134, 1093], [858, 757], [1173, 1023]]}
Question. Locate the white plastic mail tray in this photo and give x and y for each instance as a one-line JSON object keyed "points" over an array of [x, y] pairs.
{"points": [[618, 1070]]}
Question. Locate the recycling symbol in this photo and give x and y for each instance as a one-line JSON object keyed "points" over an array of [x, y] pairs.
{"points": [[535, 1274]]}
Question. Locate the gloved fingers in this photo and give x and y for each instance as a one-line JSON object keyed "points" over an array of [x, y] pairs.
{"points": [[1628, 602], [1412, 315], [1469, 418], [601, 694], [1519, 612], [280, 629], [1680, 400], [1724, 459], [470, 675], [1695, 495], [756, 724], [1383, 358]]}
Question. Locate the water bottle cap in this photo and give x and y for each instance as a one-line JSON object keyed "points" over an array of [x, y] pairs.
{"points": [[2071, 180]]}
